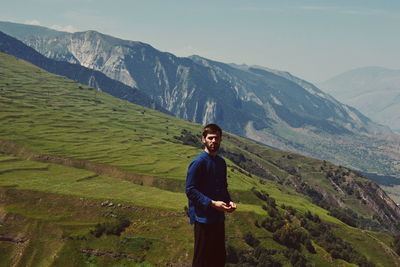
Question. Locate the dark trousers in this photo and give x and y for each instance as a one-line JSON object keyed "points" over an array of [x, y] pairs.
{"points": [[209, 245]]}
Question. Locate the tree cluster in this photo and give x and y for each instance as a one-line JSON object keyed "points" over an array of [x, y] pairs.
{"points": [[110, 228]]}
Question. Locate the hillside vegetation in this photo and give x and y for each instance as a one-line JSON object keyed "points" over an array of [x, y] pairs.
{"points": [[87, 179], [272, 107]]}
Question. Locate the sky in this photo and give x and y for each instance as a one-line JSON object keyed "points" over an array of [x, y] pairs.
{"points": [[312, 39]]}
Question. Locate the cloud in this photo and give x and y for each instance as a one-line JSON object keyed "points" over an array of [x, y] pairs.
{"points": [[33, 22], [345, 10], [364, 11], [68, 28], [315, 8], [258, 9]]}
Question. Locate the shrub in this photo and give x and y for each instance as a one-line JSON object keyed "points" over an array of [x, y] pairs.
{"points": [[232, 255], [110, 228], [344, 217], [272, 224], [268, 260], [296, 258], [251, 240], [291, 236], [396, 244]]}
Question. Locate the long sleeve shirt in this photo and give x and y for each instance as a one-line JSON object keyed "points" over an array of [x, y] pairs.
{"points": [[206, 181]]}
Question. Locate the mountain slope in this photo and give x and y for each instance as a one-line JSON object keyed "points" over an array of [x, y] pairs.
{"points": [[76, 72], [374, 91], [271, 107], [24, 30], [72, 170]]}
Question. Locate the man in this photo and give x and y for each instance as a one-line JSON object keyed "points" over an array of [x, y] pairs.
{"points": [[206, 189]]}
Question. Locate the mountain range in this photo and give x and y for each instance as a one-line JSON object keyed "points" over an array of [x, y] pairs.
{"points": [[272, 107], [375, 91]]}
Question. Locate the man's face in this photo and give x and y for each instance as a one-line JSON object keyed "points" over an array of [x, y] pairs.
{"points": [[212, 142]]}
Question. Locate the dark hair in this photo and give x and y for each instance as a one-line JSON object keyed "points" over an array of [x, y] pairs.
{"points": [[211, 129]]}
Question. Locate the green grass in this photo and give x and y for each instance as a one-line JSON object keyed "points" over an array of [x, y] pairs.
{"points": [[52, 119], [33, 214], [71, 181], [366, 243], [51, 115]]}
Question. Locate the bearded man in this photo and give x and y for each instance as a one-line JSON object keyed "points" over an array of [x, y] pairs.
{"points": [[207, 191]]}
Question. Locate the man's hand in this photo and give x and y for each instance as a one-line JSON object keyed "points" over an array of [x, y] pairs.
{"points": [[222, 206], [232, 206]]}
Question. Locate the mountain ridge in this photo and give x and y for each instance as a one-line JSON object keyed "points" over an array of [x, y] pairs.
{"points": [[373, 90], [77, 73], [281, 111]]}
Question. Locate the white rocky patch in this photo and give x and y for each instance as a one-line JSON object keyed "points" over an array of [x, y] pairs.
{"points": [[352, 114], [209, 111], [90, 53], [161, 74], [276, 100], [251, 97], [195, 111], [93, 83], [213, 75]]}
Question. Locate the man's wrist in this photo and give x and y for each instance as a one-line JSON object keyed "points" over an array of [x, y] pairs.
{"points": [[212, 203]]}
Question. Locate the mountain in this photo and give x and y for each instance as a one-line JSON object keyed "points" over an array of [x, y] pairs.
{"points": [[272, 107], [24, 30], [375, 91], [94, 180], [76, 72]]}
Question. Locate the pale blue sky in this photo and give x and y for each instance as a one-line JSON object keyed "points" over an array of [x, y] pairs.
{"points": [[312, 39]]}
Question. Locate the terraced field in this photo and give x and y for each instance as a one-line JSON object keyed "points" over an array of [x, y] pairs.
{"points": [[90, 180]]}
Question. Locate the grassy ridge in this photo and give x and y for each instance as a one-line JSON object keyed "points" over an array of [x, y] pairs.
{"points": [[58, 206], [60, 179]]}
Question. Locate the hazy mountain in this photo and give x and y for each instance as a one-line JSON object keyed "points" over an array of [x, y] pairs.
{"points": [[272, 107], [24, 30], [76, 72], [375, 91]]}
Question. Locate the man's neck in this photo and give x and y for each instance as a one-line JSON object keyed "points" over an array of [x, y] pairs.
{"points": [[212, 154]]}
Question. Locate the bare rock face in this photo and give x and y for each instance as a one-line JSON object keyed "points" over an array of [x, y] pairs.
{"points": [[203, 90], [377, 200], [91, 52]]}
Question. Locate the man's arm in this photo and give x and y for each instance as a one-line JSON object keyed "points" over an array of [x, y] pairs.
{"points": [[192, 183]]}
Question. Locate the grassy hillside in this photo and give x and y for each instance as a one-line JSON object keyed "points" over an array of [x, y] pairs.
{"points": [[90, 180]]}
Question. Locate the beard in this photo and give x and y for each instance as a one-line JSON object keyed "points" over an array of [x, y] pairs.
{"points": [[212, 148]]}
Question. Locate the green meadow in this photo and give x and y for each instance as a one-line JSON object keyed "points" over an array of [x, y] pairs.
{"points": [[76, 162]]}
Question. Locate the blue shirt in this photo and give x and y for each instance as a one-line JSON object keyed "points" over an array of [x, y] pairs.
{"points": [[206, 181]]}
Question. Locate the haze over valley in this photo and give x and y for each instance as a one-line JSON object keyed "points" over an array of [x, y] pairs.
{"points": [[101, 111]]}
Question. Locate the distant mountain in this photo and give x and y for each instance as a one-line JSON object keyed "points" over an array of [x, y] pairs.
{"points": [[375, 91], [23, 30], [76, 72], [269, 106]]}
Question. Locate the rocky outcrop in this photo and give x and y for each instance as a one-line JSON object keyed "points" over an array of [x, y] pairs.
{"points": [[384, 208]]}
